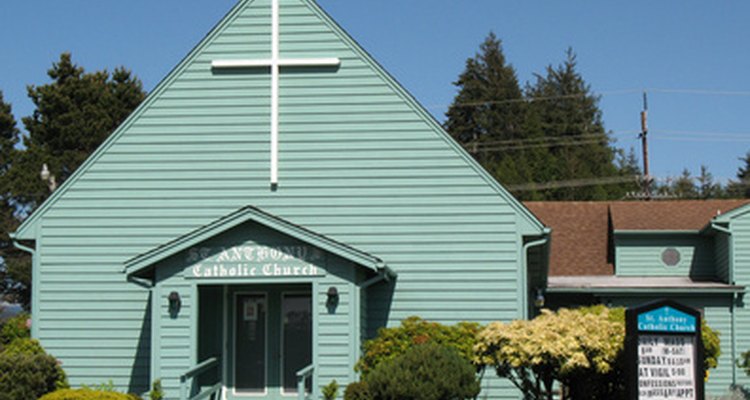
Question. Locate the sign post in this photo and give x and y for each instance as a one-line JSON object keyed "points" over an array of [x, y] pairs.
{"points": [[664, 352]]}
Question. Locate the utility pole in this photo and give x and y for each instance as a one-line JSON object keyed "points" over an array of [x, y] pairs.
{"points": [[644, 143]]}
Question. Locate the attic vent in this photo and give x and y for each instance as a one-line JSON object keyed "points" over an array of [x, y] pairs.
{"points": [[670, 257]]}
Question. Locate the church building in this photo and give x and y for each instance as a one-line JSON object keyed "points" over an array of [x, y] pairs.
{"points": [[275, 200], [278, 197]]}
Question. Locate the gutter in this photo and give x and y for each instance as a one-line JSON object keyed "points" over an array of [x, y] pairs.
{"points": [[525, 273], [20, 246], [385, 273], [735, 298]]}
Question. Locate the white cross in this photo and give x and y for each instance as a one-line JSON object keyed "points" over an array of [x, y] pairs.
{"points": [[275, 62]]}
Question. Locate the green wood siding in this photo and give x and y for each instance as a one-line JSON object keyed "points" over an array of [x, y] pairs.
{"points": [[641, 255], [722, 257], [360, 162]]}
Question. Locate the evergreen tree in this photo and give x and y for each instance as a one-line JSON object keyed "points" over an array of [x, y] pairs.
{"points": [[74, 114], [487, 114], [741, 187], [684, 186], [566, 114], [10, 258], [708, 188]]}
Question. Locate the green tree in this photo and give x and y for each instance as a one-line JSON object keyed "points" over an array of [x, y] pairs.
{"points": [[684, 186], [487, 115], [74, 114], [10, 258], [708, 188], [741, 187], [566, 113]]}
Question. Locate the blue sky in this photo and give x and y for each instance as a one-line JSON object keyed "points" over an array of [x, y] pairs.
{"points": [[691, 56]]}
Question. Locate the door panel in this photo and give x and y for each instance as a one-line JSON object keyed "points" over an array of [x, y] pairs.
{"points": [[297, 333], [250, 343], [270, 339]]}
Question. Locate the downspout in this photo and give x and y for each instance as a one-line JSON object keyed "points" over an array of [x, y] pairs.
{"points": [[525, 264], [32, 252], [20, 246], [732, 311]]}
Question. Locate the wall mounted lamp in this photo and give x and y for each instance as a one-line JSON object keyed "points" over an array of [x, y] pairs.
{"points": [[333, 297], [174, 303]]}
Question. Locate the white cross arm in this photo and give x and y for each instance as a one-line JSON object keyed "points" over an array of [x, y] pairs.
{"points": [[284, 62]]}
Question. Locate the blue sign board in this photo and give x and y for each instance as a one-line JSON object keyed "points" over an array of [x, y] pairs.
{"points": [[666, 319]]}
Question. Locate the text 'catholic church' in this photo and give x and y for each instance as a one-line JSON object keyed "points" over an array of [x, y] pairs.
{"points": [[275, 200]]}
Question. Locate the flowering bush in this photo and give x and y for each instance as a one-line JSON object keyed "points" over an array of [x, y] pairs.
{"points": [[392, 342], [555, 346], [582, 349]]}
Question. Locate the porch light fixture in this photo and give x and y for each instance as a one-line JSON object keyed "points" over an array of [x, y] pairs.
{"points": [[539, 299], [174, 302], [333, 297]]}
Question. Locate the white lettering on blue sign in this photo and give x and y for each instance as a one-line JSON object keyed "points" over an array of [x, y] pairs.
{"points": [[666, 319]]}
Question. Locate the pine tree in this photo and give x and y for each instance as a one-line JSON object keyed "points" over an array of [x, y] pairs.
{"points": [[487, 114], [564, 111], [708, 188], [10, 258], [74, 114], [741, 187], [684, 186]]}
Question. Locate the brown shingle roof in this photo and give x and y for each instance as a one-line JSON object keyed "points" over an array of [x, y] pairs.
{"points": [[581, 230], [579, 236], [668, 215]]}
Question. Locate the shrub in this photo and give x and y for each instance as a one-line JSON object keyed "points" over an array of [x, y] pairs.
{"points": [[157, 393], [15, 328], [331, 390], [392, 342], [357, 391], [582, 349], [26, 377], [24, 346], [424, 372], [88, 394]]}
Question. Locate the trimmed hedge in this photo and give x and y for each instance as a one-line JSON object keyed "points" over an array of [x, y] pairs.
{"points": [[393, 342], [27, 377], [424, 372], [88, 394], [357, 391]]}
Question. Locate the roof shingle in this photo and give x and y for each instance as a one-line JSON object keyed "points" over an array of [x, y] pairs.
{"points": [[582, 230]]}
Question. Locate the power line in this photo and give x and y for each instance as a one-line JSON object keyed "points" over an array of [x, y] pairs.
{"points": [[705, 92]]}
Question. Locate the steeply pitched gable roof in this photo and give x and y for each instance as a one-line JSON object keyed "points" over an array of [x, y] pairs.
{"points": [[24, 231], [582, 231]]}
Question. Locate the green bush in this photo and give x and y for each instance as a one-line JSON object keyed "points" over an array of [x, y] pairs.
{"points": [[88, 394], [424, 372], [26, 377], [357, 391], [15, 328], [392, 342], [24, 346], [157, 392], [331, 390]]}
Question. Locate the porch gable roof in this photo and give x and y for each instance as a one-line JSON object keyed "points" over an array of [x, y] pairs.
{"points": [[146, 261]]}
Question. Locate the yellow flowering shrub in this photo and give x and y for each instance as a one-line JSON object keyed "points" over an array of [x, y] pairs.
{"points": [[555, 346], [582, 349]]}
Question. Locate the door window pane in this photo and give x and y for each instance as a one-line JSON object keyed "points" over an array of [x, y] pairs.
{"points": [[297, 332], [250, 344]]}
